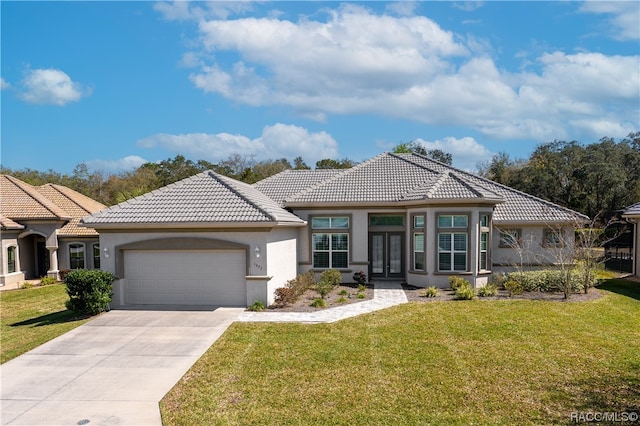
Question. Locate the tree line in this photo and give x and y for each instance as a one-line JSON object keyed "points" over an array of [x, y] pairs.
{"points": [[596, 179]]}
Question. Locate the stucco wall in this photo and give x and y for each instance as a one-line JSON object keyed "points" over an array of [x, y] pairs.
{"points": [[9, 239], [263, 273]]}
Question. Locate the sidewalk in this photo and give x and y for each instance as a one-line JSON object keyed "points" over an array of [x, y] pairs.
{"points": [[385, 295]]}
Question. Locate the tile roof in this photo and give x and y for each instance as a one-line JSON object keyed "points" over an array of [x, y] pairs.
{"points": [[75, 204], [206, 198], [282, 185], [21, 201], [398, 178], [632, 210], [6, 223]]}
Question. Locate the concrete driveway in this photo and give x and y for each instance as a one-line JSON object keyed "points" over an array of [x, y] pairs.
{"points": [[111, 371]]}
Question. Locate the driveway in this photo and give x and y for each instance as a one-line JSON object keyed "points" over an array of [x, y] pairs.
{"points": [[111, 371]]}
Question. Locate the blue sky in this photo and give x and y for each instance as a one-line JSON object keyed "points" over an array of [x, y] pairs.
{"points": [[115, 84]]}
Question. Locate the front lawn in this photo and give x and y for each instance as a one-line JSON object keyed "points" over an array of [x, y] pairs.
{"points": [[31, 317], [466, 362]]}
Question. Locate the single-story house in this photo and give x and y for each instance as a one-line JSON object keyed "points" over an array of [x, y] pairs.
{"points": [[39, 231], [212, 240], [632, 214]]}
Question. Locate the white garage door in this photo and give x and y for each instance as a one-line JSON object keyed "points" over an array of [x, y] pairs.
{"points": [[184, 277]]}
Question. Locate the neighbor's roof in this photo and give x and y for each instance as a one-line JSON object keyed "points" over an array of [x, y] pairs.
{"points": [[206, 199], [20, 201], [6, 223], [632, 210], [410, 178], [74, 203]]}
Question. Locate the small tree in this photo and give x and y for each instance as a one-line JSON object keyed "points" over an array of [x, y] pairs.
{"points": [[90, 292], [328, 280]]}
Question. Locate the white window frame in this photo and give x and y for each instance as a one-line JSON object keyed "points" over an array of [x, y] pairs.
{"points": [[13, 261], [485, 233], [333, 226], [84, 254], [94, 257]]}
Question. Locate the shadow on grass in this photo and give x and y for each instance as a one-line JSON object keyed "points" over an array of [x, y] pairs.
{"points": [[624, 287], [59, 317]]}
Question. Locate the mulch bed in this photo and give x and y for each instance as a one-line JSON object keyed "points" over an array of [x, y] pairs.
{"points": [[303, 304], [413, 295]]}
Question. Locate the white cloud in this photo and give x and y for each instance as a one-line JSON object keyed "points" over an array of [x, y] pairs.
{"points": [[356, 62], [468, 6], [185, 10], [466, 151], [51, 86], [4, 84], [128, 163], [276, 141], [402, 8], [624, 21]]}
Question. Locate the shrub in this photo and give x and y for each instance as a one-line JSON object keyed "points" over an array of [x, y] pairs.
{"points": [[547, 280], [328, 280], [430, 292], [331, 276], [27, 285], [513, 287], [47, 281], [323, 288], [455, 282], [464, 292], [319, 303], [360, 277], [293, 289], [89, 291], [343, 292], [362, 288], [257, 306], [361, 296], [488, 290], [342, 299]]}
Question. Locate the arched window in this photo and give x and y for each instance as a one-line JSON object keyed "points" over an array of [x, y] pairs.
{"points": [[11, 259], [76, 256]]}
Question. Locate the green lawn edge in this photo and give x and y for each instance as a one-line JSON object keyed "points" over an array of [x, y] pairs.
{"points": [[472, 362]]}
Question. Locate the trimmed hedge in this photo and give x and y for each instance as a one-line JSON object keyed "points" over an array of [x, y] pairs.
{"points": [[90, 291], [547, 280]]}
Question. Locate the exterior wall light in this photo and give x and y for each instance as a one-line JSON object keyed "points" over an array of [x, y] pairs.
{"points": [[257, 251]]}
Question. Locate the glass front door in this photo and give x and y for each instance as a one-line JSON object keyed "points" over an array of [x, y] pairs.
{"points": [[386, 255]]}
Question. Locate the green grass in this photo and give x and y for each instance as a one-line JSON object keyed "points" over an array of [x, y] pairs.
{"points": [[466, 362], [31, 317]]}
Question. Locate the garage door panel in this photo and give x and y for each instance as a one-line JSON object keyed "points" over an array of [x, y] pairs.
{"points": [[185, 277]]}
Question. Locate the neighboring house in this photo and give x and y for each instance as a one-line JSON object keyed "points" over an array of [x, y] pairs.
{"points": [[39, 231], [632, 214], [212, 240]]}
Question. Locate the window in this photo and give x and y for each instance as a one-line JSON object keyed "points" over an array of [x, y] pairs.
{"points": [[76, 256], [96, 256], [11, 259], [510, 237], [330, 249], [418, 251], [418, 243], [552, 238], [386, 220], [452, 242], [483, 248], [452, 221]]}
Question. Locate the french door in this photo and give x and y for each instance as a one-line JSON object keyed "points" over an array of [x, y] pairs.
{"points": [[386, 254]]}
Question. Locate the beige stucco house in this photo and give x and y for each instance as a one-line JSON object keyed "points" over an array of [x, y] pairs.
{"points": [[632, 214], [39, 232], [212, 240]]}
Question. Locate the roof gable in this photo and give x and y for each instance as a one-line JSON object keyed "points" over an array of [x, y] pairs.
{"points": [[398, 178], [206, 198], [21, 201]]}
